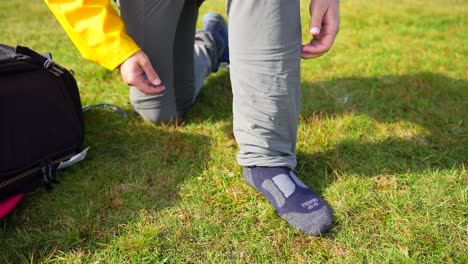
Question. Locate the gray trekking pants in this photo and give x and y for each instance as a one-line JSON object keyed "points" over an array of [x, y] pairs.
{"points": [[165, 31], [265, 45]]}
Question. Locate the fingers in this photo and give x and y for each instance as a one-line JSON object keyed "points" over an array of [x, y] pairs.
{"points": [[137, 71], [318, 46], [318, 8], [149, 72], [324, 26], [148, 88], [151, 83], [143, 84], [308, 53]]}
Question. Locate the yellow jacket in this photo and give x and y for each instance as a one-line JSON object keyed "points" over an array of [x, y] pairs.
{"points": [[96, 30]]}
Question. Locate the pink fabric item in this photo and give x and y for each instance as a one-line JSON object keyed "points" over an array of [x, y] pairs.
{"points": [[7, 205]]}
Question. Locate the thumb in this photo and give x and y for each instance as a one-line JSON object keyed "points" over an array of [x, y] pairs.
{"points": [[150, 73], [317, 11]]}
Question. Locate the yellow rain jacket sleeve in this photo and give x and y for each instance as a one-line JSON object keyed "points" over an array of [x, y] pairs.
{"points": [[96, 30]]}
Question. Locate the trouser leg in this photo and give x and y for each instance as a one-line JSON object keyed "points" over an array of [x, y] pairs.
{"points": [[186, 80], [152, 25], [194, 55], [205, 56], [165, 30], [265, 42]]}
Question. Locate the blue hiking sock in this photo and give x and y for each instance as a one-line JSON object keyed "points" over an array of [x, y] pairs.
{"points": [[291, 198]]}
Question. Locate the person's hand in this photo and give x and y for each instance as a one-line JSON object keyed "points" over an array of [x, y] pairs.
{"points": [[324, 26], [137, 71]]}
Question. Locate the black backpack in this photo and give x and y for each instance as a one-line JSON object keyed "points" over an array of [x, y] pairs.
{"points": [[41, 120]]}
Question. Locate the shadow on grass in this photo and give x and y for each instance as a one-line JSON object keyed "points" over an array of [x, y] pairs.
{"points": [[137, 167], [433, 102], [214, 103], [133, 169]]}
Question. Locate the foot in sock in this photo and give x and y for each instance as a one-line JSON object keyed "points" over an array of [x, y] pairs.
{"points": [[291, 198], [217, 26]]}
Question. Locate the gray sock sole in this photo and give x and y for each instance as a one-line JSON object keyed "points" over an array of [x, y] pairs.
{"points": [[314, 224], [247, 174]]}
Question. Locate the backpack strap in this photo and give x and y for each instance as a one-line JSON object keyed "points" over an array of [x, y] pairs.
{"points": [[36, 58], [107, 106]]}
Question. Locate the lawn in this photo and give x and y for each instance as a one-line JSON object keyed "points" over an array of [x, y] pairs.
{"points": [[383, 138]]}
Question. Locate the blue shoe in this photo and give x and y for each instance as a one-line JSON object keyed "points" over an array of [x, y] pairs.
{"points": [[217, 26]]}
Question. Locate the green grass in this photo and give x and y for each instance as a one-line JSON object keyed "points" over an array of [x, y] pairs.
{"points": [[383, 137]]}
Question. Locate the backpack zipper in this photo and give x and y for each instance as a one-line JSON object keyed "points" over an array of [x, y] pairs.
{"points": [[47, 169]]}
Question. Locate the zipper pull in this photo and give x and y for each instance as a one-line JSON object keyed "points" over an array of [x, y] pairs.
{"points": [[52, 67], [45, 178], [52, 173]]}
